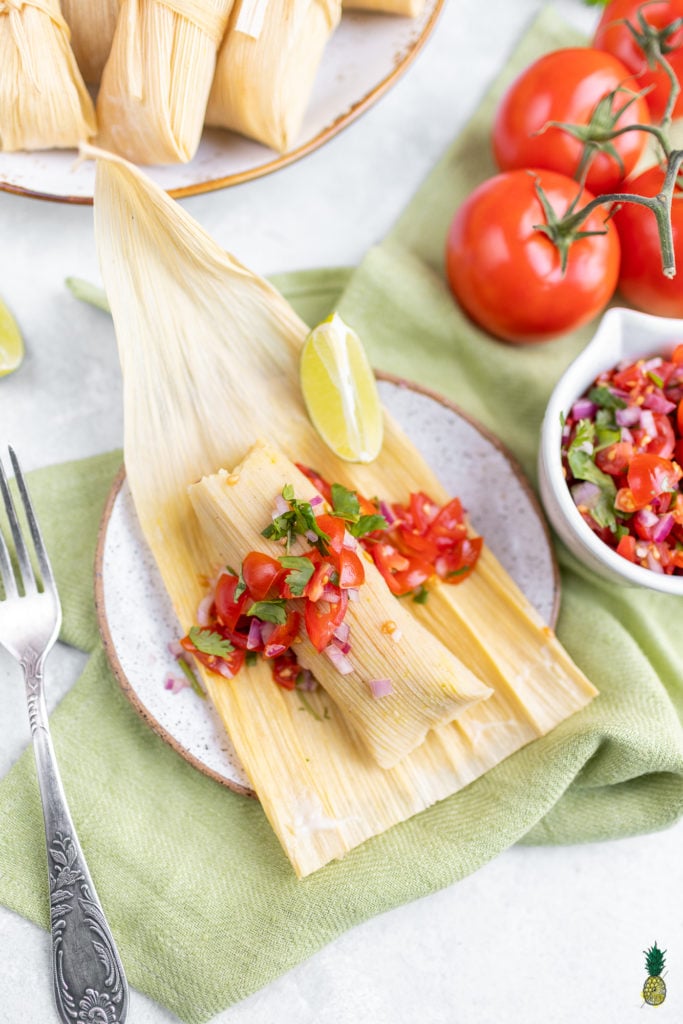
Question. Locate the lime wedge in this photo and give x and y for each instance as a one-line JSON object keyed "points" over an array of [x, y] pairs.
{"points": [[11, 342], [340, 391]]}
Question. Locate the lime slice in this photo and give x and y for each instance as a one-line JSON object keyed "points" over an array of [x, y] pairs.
{"points": [[340, 391], [11, 342]]}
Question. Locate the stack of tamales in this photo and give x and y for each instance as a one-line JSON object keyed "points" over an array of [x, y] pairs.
{"points": [[180, 303]]}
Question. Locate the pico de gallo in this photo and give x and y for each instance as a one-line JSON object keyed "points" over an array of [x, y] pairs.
{"points": [[622, 451], [262, 608]]}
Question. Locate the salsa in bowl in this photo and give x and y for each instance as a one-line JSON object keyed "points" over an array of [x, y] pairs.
{"points": [[612, 450]]}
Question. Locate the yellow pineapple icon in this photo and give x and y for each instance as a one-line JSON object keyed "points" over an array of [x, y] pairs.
{"points": [[654, 989]]}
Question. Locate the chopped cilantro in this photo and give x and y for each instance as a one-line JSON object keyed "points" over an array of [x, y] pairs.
{"points": [[603, 397], [209, 642], [298, 520], [346, 506], [367, 524], [655, 378], [580, 456], [302, 570], [421, 594], [269, 611], [250, 658]]}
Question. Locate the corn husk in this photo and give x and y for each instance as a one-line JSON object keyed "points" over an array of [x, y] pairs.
{"points": [[266, 67], [431, 687], [156, 82], [44, 103], [209, 353], [92, 24], [408, 8]]}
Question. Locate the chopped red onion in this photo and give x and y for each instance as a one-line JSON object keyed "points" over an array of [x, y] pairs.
{"points": [[647, 422], [317, 500], [176, 649], [342, 632], [663, 527], [311, 536], [626, 435], [203, 610], [586, 493], [255, 636], [222, 668], [658, 403], [343, 645], [350, 542], [267, 630], [338, 659], [654, 563], [175, 683], [584, 409], [646, 519], [353, 594], [306, 681], [385, 510], [281, 506], [652, 364], [274, 650], [380, 687], [628, 417], [330, 594]]}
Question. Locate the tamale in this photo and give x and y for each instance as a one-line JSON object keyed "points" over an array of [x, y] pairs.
{"points": [[44, 103], [155, 84], [92, 24], [266, 67], [408, 8], [209, 353], [430, 686]]}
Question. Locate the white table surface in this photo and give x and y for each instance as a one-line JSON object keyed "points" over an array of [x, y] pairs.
{"points": [[539, 935]]}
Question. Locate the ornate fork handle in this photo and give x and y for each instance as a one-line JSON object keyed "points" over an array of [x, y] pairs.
{"points": [[89, 982]]}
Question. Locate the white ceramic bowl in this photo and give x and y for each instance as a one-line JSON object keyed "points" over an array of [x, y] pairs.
{"points": [[622, 334]]}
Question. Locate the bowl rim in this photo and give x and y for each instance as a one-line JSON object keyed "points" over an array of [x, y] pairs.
{"points": [[571, 385]]}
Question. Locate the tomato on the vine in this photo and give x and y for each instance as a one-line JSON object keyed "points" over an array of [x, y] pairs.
{"points": [[641, 280], [614, 36], [571, 86], [508, 275]]}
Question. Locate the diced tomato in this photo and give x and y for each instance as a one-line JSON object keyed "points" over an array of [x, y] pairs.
{"points": [[677, 355], [230, 664], [403, 573], [650, 475], [282, 637], [285, 670], [351, 571], [263, 575], [321, 485], [457, 564], [615, 458], [679, 415], [627, 547], [321, 578], [664, 441], [321, 618], [335, 528], [228, 610]]}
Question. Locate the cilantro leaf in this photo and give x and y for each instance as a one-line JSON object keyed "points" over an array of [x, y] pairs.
{"points": [[269, 611], [209, 642], [190, 676], [345, 503], [302, 570], [367, 524], [581, 459], [603, 397], [298, 520]]}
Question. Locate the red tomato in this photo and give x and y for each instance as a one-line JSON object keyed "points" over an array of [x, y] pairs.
{"points": [[351, 570], [262, 574], [402, 573], [614, 36], [285, 670], [335, 528], [650, 475], [507, 275], [282, 636], [324, 570], [455, 565], [615, 458], [679, 417], [627, 547], [228, 610], [641, 280], [322, 618], [232, 662], [566, 86]]}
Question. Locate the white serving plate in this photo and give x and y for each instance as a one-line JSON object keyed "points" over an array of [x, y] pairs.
{"points": [[364, 57], [137, 621]]}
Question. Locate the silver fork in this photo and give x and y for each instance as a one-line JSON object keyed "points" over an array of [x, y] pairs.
{"points": [[88, 978]]}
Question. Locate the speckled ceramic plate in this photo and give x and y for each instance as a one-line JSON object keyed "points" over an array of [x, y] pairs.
{"points": [[365, 56], [138, 623]]}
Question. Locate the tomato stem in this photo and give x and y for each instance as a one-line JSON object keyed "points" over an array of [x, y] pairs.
{"points": [[567, 227], [655, 45]]}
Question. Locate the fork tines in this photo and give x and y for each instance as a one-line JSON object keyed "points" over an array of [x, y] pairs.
{"points": [[23, 579]]}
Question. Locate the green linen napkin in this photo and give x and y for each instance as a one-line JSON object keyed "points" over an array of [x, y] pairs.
{"points": [[203, 903]]}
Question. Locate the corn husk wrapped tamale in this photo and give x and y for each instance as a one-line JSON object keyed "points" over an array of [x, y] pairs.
{"points": [[92, 24], [210, 354], [155, 84], [408, 8], [266, 67], [430, 686], [44, 103]]}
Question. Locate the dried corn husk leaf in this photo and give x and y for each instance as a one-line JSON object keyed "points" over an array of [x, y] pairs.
{"points": [[156, 82], [431, 687], [408, 8], [209, 353], [92, 24], [264, 75], [44, 103]]}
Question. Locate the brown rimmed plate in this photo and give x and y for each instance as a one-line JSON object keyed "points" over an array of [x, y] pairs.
{"points": [[365, 56], [138, 623]]}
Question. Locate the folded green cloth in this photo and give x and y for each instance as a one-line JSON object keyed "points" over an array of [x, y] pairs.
{"points": [[203, 903]]}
